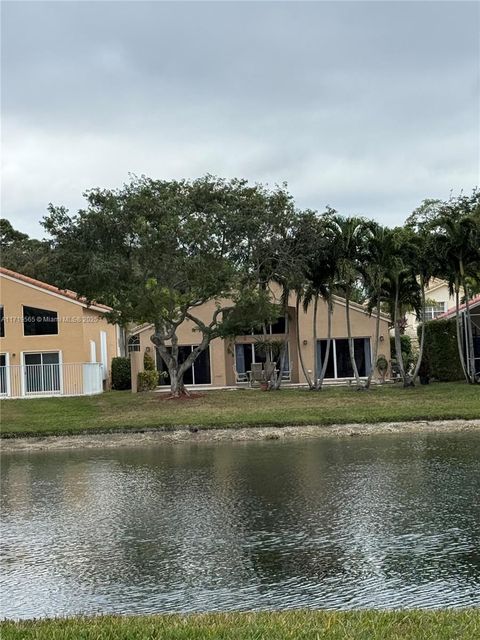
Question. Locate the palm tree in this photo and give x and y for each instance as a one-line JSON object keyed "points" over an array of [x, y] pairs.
{"points": [[349, 235], [426, 266], [380, 249], [401, 289], [315, 282], [457, 240]]}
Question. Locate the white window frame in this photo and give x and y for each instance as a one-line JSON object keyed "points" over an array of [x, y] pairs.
{"points": [[433, 310], [41, 351], [8, 389], [39, 335]]}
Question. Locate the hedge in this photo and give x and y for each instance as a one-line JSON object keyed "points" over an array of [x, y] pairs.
{"points": [[121, 375], [441, 350]]}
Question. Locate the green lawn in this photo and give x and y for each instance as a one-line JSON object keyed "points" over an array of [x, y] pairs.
{"points": [[122, 410], [293, 625]]}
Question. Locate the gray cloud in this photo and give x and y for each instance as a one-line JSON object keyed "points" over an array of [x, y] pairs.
{"points": [[366, 106]]}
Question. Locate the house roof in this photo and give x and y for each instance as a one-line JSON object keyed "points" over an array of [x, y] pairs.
{"points": [[49, 288], [474, 303]]}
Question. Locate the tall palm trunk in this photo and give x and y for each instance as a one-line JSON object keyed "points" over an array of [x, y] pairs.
{"points": [[327, 350], [299, 346], [422, 337], [459, 335], [398, 342], [315, 359], [375, 346], [350, 341], [469, 329], [278, 380]]}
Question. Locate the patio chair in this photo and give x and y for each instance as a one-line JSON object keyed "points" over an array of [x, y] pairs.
{"points": [[257, 375], [240, 376]]}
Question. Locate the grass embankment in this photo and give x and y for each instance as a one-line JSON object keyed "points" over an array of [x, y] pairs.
{"points": [[293, 625], [122, 410]]}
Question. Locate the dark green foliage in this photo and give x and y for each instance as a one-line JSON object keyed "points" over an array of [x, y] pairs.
{"points": [[407, 353], [148, 362], [441, 350], [34, 258], [121, 374], [147, 380]]}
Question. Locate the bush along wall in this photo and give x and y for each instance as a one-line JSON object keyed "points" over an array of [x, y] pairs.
{"points": [[441, 350], [121, 376]]}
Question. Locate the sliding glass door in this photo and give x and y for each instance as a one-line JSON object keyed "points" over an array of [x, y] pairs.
{"points": [[42, 373], [339, 362], [247, 354]]}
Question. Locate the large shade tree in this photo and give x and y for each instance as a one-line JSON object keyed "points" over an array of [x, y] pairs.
{"points": [[155, 251]]}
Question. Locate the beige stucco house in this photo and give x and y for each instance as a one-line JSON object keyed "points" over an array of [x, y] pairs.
{"points": [[439, 301], [52, 342], [226, 363]]}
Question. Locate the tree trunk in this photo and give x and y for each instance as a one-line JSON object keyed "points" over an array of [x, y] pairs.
{"points": [[278, 381], [350, 341], [315, 359], [422, 338], [329, 342], [176, 371], [177, 387], [469, 330], [300, 355], [459, 336], [398, 342], [375, 346]]}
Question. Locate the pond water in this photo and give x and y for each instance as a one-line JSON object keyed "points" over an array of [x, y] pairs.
{"points": [[377, 521]]}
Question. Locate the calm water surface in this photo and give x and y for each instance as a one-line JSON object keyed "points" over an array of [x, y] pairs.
{"points": [[379, 521]]}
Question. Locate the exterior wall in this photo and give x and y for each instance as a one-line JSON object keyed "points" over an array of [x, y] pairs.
{"points": [[77, 325], [222, 351], [363, 326], [436, 292]]}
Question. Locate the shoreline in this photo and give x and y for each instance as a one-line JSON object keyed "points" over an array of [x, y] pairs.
{"points": [[184, 435]]}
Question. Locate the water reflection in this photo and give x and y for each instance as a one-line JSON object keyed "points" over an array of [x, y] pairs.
{"points": [[384, 521]]}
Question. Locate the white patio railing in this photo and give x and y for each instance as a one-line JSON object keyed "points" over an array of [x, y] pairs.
{"points": [[33, 380]]}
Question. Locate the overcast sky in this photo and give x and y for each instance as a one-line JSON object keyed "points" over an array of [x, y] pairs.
{"points": [[366, 106]]}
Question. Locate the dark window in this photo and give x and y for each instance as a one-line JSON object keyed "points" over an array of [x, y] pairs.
{"points": [[340, 353], [321, 353], [2, 322], [39, 322], [198, 373], [279, 326], [134, 343]]}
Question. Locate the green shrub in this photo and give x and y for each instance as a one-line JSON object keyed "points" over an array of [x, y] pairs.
{"points": [[121, 374], [148, 362], [147, 380], [441, 350]]}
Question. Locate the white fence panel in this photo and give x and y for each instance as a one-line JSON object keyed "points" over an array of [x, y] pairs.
{"points": [[92, 378], [46, 380]]}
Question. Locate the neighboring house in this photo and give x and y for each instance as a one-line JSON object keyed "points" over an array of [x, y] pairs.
{"points": [[475, 315], [438, 300], [52, 342], [227, 363]]}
